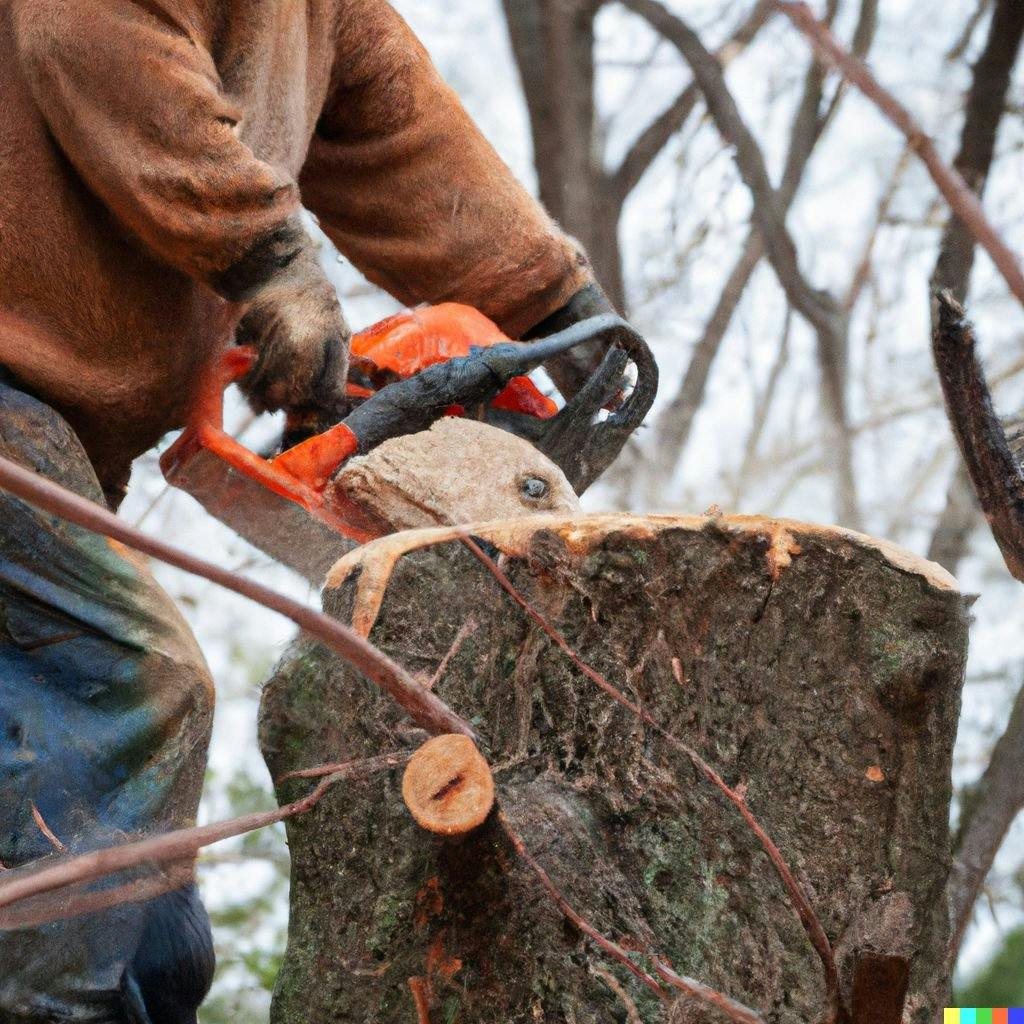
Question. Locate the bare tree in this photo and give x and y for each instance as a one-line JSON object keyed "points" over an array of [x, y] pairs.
{"points": [[813, 114], [553, 45]]}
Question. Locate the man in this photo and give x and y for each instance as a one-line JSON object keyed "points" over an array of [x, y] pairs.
{"points": [[153, 158]]}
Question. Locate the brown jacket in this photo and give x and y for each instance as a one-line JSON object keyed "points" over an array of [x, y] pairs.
{"points": [[153, 156]]}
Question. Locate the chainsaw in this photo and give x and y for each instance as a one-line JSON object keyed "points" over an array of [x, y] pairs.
{"points": [[406, 373]]}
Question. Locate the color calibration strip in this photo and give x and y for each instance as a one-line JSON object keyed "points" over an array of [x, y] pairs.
{"points": [[997, 1015]]}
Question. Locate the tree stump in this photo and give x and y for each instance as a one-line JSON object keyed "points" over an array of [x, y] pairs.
{"points": [[818, 668]]}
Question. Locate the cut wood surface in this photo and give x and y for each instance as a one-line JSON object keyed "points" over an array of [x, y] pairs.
{"points": [[448, 786], [818, 670]]}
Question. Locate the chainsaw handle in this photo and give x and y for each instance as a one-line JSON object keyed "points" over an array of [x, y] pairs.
{"points": [[413, 404], [208, 407]]}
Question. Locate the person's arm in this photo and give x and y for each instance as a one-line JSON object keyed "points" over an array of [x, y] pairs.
{"points": [[407, 187], [131, 95]]}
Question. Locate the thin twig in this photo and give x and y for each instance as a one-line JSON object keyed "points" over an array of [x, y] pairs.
{"points": [[359, 766], [801, 903], [46, 830], [957, 192], [468, 628], [632, 1013], [696, 990], [424, 707], [613, 949], [67, 903], [734, 1010], [161, 849], [862, 274]]}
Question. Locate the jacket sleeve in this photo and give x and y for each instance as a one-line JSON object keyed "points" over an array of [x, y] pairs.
{"points": [[407, 187], [132, 97]]}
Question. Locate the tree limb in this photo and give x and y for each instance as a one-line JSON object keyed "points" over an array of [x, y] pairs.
{"points": [[820, 310], [997, 478], [949, 181], [989, 809], [652, 140]]}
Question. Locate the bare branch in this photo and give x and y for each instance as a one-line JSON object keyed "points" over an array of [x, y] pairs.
{"points": [[997, 478], [950, 183], [959, 48], [955, 523], [769, 213], [603, 942], [425, 708], [676, 422], [732, 1009], [985, 105], [175, 851], [862, 273], [761, 410], [650, 142], [989, 809], [653, 138], [171, 846]]}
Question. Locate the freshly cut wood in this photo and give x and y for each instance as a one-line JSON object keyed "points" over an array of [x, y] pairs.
{"points": [[818, 670], [448, 786]]}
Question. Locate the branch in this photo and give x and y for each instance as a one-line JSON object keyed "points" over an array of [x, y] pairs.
{"points": [[612, 948], [182, 844], [950, 183], [990, 808], [986, 103], [769, 213], [955, 523], [650, 142], [762, 407], [675, 424], [425, 708], [653, 138], [862, 273], [997, 478], [959, 48], [768, 208]]}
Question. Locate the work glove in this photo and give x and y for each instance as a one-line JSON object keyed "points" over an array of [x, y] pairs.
{"points": [[571, 370], [295, 324]]}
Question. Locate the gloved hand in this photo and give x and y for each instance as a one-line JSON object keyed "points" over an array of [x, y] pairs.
{"points": [[301, 338], [571, 370]]}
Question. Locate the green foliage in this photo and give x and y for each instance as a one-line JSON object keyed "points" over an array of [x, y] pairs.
{"points": [[1001, 982]]}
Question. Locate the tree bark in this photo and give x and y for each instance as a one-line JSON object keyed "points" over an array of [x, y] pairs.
{"points": [[818, 669]]}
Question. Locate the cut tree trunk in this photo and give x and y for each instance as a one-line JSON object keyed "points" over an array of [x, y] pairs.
{"points": [[816, 667]]}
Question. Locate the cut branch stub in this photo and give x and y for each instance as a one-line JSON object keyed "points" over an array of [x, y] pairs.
{"points": [[448, 786]]}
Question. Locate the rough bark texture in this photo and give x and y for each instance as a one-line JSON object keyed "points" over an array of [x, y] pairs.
{"points": [[818, 668]]}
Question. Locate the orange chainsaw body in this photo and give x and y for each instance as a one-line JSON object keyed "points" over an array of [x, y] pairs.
{"points": [[259, 497], [408, 342]]}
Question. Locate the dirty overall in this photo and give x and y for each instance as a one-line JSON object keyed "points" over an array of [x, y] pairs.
{"points": [[106, 705]]}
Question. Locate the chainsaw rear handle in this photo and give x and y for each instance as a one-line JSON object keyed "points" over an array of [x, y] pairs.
{"points": [[411, 405]]}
